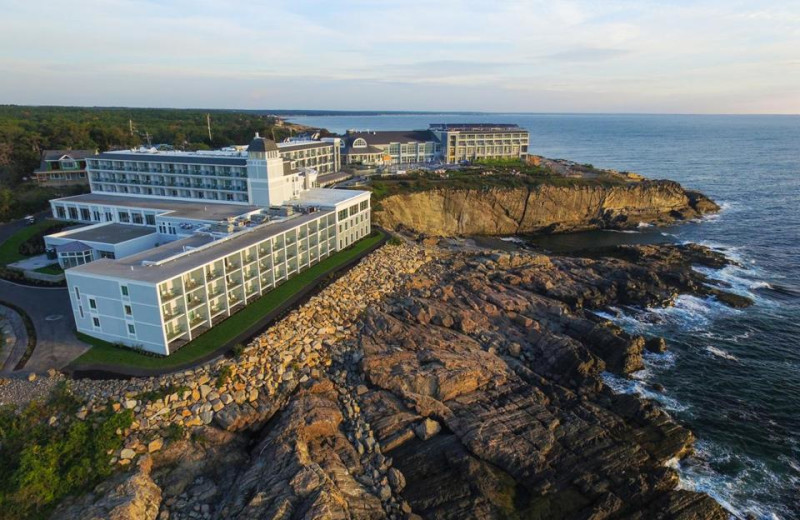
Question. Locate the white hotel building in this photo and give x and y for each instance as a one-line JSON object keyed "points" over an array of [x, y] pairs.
{"points": [[179, 241]]}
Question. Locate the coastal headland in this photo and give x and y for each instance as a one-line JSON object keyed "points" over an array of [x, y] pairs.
{"points": [[424, 382], [544, 197]]}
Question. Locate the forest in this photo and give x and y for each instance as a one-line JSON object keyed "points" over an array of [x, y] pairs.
{"points": [[25, 131]]}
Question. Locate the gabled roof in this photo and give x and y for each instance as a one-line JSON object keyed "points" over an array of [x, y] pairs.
{"points": [[55, 155], [261, 144], [391, 136], [73, 247], [368, 150]]}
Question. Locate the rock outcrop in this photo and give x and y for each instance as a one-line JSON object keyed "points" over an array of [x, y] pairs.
{"points": [[542, 208], [421, 383]]}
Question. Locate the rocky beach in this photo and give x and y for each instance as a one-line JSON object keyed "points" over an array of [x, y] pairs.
{"points": [[423, 383]]}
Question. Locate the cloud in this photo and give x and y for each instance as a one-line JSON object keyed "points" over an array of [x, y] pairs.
{"points": [[587, 54], [508, 55]]}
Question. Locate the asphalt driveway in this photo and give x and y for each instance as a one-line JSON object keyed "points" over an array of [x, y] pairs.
{"points": [[51, 313]]}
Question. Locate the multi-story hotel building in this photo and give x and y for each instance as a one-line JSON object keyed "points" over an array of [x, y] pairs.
{"points": [[391, 147], [469, 142], [449, 143], [60, 168], [324, 156], [160, 264]]}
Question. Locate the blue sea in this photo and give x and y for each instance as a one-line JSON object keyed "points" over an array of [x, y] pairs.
{"points": [[732, 376]]}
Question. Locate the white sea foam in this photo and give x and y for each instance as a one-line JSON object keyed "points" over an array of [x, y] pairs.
{"points": [[697, 474], [639, 386], [515, 240], [687, 313], [625, 231], [721, 353], [644, 225]]}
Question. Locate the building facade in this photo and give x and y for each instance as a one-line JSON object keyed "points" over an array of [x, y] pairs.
{"points": [[324, 156], [59, 168], [470, 142], [391, 147], [154, 270]]}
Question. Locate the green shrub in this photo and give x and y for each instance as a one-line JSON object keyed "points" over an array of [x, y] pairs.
{"points": [[42, 463], [224, 376], [174, 432], [238, 350]]}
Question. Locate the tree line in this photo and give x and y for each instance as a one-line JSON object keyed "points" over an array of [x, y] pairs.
{"points": [[26, 131]]}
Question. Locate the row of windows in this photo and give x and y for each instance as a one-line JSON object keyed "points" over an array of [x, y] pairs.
{"points": [[107, 215]]}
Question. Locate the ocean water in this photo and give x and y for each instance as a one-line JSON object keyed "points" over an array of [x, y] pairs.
{"points": [[732, 376]]}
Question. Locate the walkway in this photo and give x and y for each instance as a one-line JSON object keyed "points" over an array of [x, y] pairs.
{"points": [[15, 339], [51, 313]]}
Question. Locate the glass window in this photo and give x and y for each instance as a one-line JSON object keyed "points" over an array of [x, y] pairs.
{"points": [[96, 322], [77, 292], [124, 289], [131, 329], [92, 303], [128, 310]]}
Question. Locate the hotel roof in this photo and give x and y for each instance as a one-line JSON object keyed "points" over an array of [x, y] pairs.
{"points": [[391, 136], [108, 233], [327, 197], [218, 157], [208, 211], [175, 258]]}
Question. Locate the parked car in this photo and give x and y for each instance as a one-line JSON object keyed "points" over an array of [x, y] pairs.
{"points": [[29, 219]]}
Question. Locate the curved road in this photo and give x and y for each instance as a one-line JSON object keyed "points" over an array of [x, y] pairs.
{"points": [[51, 313]]}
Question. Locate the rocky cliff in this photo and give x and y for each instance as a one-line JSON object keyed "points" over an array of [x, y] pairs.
{"points": [[542, 208], [427, 384]]}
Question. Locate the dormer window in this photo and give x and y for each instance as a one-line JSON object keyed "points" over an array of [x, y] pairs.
{"points": [[359, 143]]}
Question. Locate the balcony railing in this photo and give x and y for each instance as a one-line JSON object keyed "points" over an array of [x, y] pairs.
{"points": [[169, 295], [172, 334]]}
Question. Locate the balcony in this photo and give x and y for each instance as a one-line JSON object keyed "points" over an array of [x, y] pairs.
{"points": [[233, 282], [197, 320], [191, 283], [175, 333], [169, 295], [193, 303], [212, 275]]}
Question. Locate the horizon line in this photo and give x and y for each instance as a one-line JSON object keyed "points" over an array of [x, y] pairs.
{"points": [[334, 112]]}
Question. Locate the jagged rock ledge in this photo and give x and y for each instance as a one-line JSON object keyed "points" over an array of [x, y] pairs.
{"points": [[422, 383], [544, 208]]}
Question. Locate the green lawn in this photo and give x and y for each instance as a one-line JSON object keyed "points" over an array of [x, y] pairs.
{"points": [[50, 269], [105, 353], [9, 250]]}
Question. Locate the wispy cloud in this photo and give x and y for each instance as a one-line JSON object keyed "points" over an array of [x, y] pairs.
{"points": [[562, 55]]}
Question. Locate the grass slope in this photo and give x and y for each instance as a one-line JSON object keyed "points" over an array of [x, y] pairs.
{"points": [[105, 353], [9, 250]]}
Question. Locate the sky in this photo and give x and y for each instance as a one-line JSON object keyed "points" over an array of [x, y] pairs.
{"points": [[668, 56]]}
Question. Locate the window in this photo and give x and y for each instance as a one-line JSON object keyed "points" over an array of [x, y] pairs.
{"points": [[363, 205], [109, 217], [80, 309], [342, 214], [61, 212], [92, 304], [128, 310], [96, 322], [124, 289], [131, 329], [137, 218], [150, 219], [124, 216], [359, 143], [77, 292], [85, 214]]}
